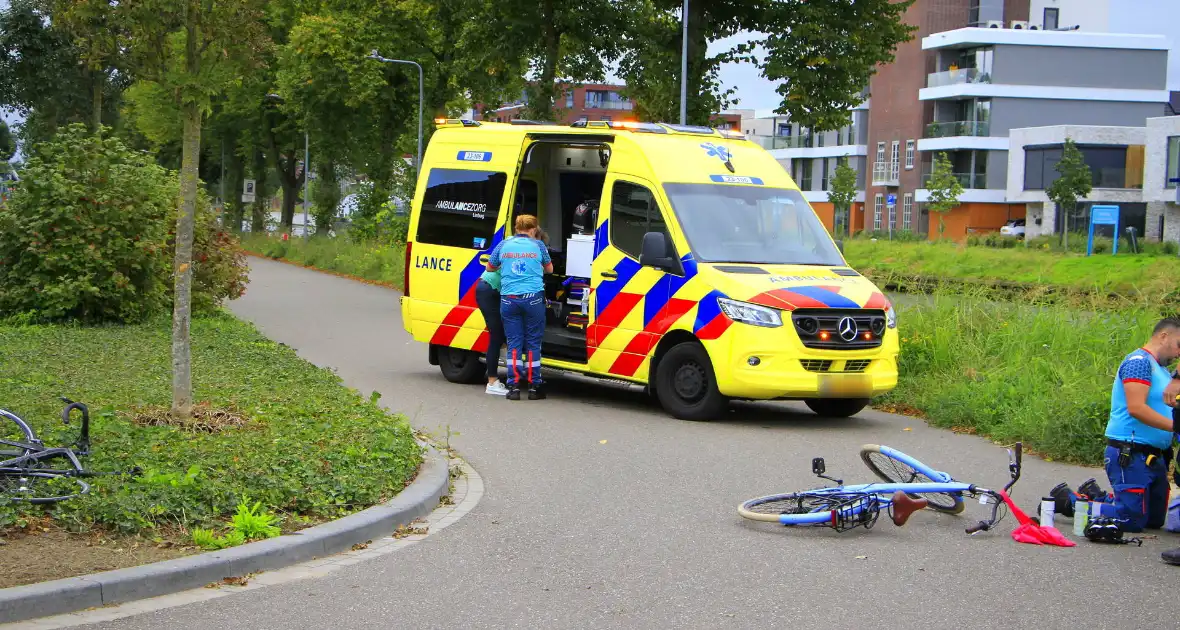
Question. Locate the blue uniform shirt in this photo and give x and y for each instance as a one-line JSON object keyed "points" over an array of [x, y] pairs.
{"points": [[521, 261], [1139, 367]]}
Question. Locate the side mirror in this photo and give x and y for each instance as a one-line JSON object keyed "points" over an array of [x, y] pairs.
{"points": [[654, 252], [840, 245]]}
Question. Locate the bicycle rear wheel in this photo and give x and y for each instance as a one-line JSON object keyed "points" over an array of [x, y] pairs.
{"points": [[889, 468], [38, 487], [13, 429], [838, 510]]}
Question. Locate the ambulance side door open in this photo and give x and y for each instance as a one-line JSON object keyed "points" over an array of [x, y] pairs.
{"points": [[629, 298]]}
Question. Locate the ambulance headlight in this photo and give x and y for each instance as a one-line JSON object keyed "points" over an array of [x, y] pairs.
{"points": [[752, 314], [890, 315]]}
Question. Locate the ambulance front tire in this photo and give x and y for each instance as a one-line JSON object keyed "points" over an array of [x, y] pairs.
{"points": [[686, 385], [836, 407], [461, 366]]}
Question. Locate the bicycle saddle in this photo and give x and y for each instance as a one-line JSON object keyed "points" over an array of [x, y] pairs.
{"points": [[904, 506]]}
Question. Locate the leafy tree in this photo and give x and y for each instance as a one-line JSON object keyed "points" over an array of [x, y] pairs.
{"points": [[564, 43], [43, 75], [7, 144], [822, 52], [842, 193], [1074, 181], [96, 26], [945, 189], [193, 48]]}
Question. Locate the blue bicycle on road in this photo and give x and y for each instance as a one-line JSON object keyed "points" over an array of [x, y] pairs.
{"points": [[910, 486]]}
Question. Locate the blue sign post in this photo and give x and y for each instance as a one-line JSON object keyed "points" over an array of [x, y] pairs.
{"points": [[1103, 215]]}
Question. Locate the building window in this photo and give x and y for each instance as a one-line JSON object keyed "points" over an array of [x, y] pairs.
{"points": [[909, 155], [878, 202], [1173, 172], [824, 177], [569, 99], [1050, 20], [461, 208], [895, 153], [819, 139], [840, 137], [1110, 166], [907, 210], [805, 178], [606, 118], [880, 152], [852, 132]]}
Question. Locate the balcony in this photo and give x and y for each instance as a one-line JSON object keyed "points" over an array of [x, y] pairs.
{"points": [[969, 181], [771, 143], [955, 77], [956, 129], [886, 173]]}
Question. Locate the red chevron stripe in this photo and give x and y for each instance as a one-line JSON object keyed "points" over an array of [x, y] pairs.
{"points": [[451, 325], [786, 300], [876, 300], [481, 343], [611, 317], [715, 328], [646, 340]]}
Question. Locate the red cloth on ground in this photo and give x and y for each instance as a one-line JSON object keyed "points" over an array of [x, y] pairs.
{"points": [[1031, 533]]}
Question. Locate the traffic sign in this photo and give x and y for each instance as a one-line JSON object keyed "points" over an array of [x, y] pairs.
{"points": [[248, 191], [1103, 215], [891, 199]]}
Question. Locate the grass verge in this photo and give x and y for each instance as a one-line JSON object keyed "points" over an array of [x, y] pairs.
{"points": [[1099, 281], [273, 429], [1015, 372], [375, 262]]}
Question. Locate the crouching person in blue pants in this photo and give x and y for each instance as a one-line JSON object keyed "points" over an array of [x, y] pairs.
{"points": [[1140, 431], [523, 262], [1139, 437]]}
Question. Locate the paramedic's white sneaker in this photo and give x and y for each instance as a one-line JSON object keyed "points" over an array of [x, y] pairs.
{"points": [[496, 389]]}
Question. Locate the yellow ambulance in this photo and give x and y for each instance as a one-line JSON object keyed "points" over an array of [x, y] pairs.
{"points": [[685, 260]]}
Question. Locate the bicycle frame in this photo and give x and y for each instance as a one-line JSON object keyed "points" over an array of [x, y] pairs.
{"points": [[884, 492], [935, 475]]}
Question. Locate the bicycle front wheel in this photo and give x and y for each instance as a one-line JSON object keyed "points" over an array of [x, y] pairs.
{"points": [[882, 461], [39, 487], [798, 508]]}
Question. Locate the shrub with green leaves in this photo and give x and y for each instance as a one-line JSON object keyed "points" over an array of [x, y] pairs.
{"points": [[87, 236], [83, 235]]}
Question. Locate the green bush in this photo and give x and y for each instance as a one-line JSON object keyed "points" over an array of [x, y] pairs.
{"points": [[87, 236], [83, 236], [372, 260]]}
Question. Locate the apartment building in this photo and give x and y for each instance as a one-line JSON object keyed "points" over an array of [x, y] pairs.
{"points": [[976, 71]]}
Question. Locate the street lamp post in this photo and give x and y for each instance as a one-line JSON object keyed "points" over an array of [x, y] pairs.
{"points": [[684, 66], [421, 100]]}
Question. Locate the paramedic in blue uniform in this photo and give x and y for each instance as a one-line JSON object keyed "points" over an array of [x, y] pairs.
{"points": [[1140, 430], [523, 262]]}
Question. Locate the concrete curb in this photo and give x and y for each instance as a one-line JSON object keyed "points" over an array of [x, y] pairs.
{"points": [[420, 498]]}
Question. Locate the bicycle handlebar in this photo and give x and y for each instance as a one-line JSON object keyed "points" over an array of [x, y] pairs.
{"points": [[1015, 460], [981, 526], [84, 439]]}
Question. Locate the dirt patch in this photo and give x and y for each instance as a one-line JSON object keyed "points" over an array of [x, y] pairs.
{"points": [[47, 553], [205, 419]]}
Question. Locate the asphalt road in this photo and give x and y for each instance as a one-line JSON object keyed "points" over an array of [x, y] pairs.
{"points": [[642, 531]]}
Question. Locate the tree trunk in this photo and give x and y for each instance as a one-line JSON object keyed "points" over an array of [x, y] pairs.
{"points": [[97, 85], [326, 195], [289, 181], [543, 108], [182, 382], [237, 173], [698, 45]]}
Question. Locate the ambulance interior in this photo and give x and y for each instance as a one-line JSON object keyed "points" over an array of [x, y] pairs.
{"points": [[556, 178]]}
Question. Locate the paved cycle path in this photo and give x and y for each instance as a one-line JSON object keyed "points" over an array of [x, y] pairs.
{"points": [[600, 511]]}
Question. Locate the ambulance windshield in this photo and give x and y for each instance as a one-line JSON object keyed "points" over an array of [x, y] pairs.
{"points": [[751, 224]]}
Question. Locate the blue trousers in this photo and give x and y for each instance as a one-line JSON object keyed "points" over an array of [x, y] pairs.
{"points": [[1140, 491], [524, 326], [488, 300]]}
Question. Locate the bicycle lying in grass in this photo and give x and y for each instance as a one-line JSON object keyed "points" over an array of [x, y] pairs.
{"points": [[26, 464], [910, 486]]}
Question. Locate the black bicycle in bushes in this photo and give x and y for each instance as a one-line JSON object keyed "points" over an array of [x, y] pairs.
{"points": [[34, 473]]}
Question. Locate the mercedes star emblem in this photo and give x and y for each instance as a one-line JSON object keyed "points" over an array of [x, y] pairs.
{"points": [[847, 329]]}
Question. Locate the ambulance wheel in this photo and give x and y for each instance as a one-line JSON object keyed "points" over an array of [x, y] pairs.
{"points": [[686, 385], [460, 366], [836, 407]]}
